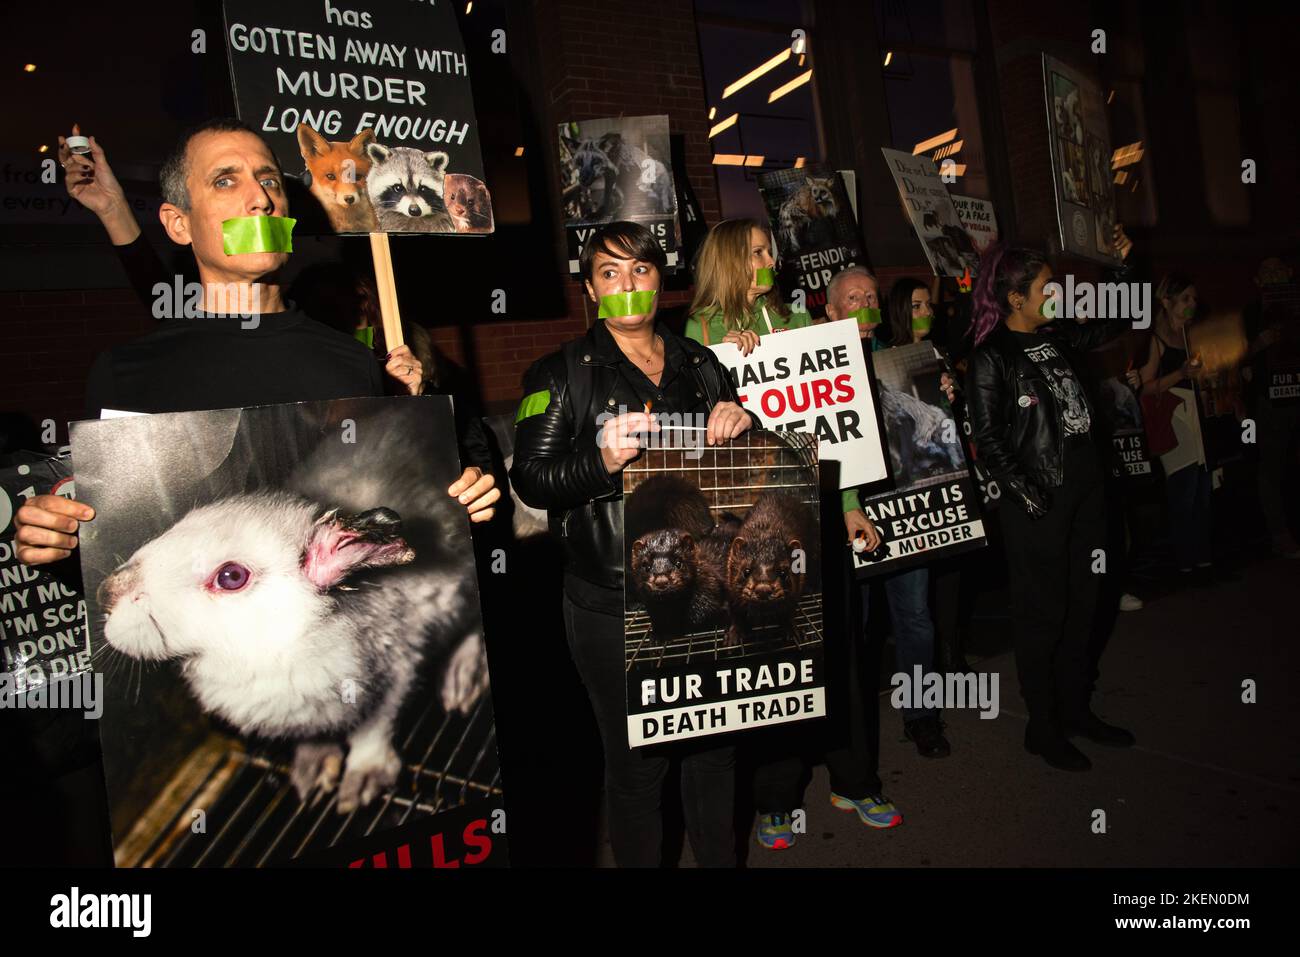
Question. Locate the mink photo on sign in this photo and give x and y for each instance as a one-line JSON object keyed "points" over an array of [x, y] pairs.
{"points": [[723, 621], [1078, 141], [816, 234], [285, 608], [615, 169], [42, 620], [369, 105], [933, 509]]}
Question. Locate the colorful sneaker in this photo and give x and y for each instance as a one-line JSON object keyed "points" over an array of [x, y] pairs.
{"points": [[774, 832], [874, 810]]}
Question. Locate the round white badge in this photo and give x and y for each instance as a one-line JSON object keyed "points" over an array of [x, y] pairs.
{"points": [[1025, 402]]}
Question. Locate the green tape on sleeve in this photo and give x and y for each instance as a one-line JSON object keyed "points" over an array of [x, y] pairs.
{"points": [[534, 403], [764, 277], [258, 234], [619, 304], [867, 317], [922, 323], [365, 336]]}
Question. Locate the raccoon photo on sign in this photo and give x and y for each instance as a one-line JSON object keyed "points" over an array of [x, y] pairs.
{"points": [[380, 129], [814, 228], [616, 169]]}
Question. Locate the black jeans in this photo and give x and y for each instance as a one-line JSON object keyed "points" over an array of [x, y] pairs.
{"points": [[849, 737], [1054, 593], [634, 777]]}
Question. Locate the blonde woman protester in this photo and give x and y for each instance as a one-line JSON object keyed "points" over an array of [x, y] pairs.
{"points": [[736, 298]]}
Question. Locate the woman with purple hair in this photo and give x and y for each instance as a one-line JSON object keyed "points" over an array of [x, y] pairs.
{"points": [[1031, 424]]}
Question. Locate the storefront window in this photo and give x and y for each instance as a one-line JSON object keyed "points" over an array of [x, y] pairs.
{"points": [[759, 86], [930, 86]]}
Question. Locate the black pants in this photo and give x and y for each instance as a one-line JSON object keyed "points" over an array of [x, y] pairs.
{"points": [[634, 777], [1054, 592], [849, 737]]}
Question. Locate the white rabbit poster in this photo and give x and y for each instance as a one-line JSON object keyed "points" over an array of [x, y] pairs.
{"points": [[284, 604]]}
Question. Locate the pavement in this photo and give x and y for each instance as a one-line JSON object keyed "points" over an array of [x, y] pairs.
{"points": [[1212, 782]]}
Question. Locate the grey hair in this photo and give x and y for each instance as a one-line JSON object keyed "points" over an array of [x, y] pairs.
{"points": [[850, 271], [173, 175]]}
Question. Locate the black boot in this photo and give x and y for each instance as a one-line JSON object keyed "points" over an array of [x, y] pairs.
{"points": [[1098, 731], [1056, 751], [927, 734]]}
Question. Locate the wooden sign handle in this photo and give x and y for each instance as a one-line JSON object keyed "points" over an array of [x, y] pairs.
{"points": [[387, 284]]}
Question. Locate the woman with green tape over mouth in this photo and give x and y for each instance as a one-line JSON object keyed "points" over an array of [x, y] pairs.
{"points": [[585, 415], [736, 296]]}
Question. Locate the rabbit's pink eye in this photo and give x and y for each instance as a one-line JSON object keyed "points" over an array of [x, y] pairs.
{"points": [[231, 576]]}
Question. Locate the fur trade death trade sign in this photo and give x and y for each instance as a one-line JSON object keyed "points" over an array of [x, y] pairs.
{"points": [[369, 102], [616, 169], [814, 380], [722, 625]]}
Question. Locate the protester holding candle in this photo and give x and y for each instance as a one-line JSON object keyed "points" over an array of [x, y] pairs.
{"points": [[1169, 369], [576, 429], [736, 296]]}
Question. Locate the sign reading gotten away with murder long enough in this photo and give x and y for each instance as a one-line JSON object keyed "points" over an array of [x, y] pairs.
{"points": [[369, 101]]}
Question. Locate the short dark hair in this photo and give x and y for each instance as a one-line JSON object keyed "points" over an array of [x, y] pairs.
{"points": [[174, 174], [624, 240]]}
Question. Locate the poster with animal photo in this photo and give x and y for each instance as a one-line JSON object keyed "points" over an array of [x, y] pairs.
{"points": [[1078, 141], [1280, 303], [723, 622], [42, 621], [284, 604], [368, 104], [933, 508], [930, 209], [815, 380], [614, 169], [815, 230]]}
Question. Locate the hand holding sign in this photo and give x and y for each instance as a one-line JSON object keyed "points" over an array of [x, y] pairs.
{"points": [[46, 528], [745, 340], [726, 421], [618, 442]]}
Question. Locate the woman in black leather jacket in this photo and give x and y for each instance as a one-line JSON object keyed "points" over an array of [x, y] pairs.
{"points": [[1031, 424], [575, 431]]}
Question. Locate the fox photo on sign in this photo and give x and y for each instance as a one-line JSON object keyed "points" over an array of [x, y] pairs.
{"points": [[1079, 142], [284, 604], [933, 509], [934, 218], [615, 169], [369, 104], [815, 380], [816, 234], [723, 596]]}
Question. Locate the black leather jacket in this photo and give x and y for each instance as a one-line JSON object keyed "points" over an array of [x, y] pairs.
{"points": [[557, 464], [1022, 446]]}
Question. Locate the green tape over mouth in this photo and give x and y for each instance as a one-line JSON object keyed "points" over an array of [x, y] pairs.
{"points": [[619, 304], [258, 234], [365, 336], [868, 317], [922, 323], [764, 277]]}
